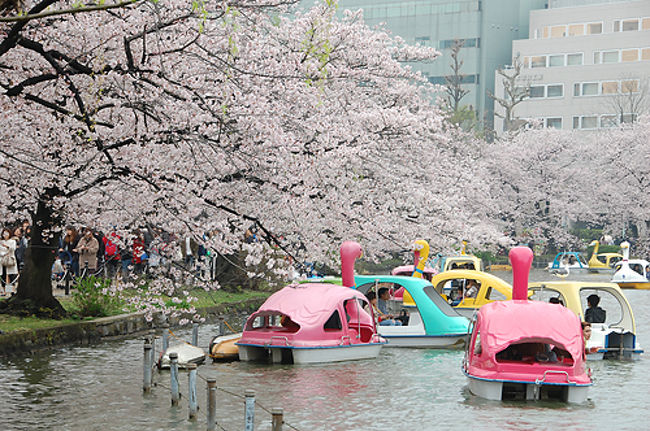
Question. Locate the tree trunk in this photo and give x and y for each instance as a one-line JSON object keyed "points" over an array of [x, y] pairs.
{"points": [[34, 293]]}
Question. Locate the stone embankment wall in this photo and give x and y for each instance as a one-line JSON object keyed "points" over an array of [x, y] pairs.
{"points": [[122, 326]]}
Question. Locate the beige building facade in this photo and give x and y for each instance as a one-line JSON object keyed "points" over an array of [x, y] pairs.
{"points": [[584, 67]]}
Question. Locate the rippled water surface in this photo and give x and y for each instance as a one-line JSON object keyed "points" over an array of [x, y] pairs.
{"points": [[100, 388]]}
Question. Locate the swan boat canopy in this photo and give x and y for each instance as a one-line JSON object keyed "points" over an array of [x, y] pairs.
{"points": [[631, 273], [454, 286], [308, 323], [526, 350], [569, 259], [615, 337], [427, 319]]}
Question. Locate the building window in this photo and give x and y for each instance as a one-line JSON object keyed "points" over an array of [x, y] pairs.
{"points": [[423, 40], [645, 24], [536, 91], [645, 54], [608, 121], [589, 122], [610, 56], [574, 59], [576, 122], [556, 60], [558, 31], [595, 28], [554, 122], [630, 25], [628, 118], [630, 55], [576, 29], [538, 61], [555, 90], [609, 87], [630, 86], [589, 89], [545, 32]]}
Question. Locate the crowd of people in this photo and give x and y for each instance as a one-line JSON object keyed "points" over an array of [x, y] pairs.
{"points": [[13, 245], [84, 251]]}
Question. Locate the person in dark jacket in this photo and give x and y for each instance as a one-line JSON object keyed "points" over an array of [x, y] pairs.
{"points": [[594, 314]]}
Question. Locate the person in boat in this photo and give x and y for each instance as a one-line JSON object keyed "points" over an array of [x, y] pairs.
{"points": [[471, 290], [647, 272], [555, 300], [586, 335], [594, 314], [380, 308]]}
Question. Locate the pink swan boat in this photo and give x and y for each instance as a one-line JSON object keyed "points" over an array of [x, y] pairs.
{"points": [[527, 350], [313, 322]]}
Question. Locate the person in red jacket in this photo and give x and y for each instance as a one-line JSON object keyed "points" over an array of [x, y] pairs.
{"points": [[139, 253]]}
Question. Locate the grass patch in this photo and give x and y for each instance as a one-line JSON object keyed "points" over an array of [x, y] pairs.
{"points": [[205, 299], [13, 323]]}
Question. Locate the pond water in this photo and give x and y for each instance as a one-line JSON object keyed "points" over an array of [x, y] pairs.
{"points": [[100, 387]]}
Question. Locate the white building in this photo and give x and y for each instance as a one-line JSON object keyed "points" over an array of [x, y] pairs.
{"points": [[588, 66]]}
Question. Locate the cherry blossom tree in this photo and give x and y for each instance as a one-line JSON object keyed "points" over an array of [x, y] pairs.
{"points": [[208, 120]]}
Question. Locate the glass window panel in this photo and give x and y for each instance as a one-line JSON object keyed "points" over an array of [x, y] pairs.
{"points": [[617, 25], [526, 62], [595, 28], [609, 87], [576, 89], [555, 90], [630, 25], [554, 122], [645, 54], [576, 29], [538, 61], [574, 59], [556, 60], [610, 56], [576, 122], [558, 31], [597, 57], [589, 122], [590, 89], [645, 24], [607, 121], [536, 91], [630, 55], [629, 118], [545, 32], [630, 86]]}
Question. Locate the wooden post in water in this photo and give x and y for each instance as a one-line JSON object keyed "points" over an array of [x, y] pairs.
{"points": [[165, 343], [147, 367], [221, 327], [195, 334], [276, 419], [173, 367], [249, 412], [192, 390], [212, 404]]}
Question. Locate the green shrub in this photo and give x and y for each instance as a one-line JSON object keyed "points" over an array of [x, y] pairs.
{"points": [[89, 301]]}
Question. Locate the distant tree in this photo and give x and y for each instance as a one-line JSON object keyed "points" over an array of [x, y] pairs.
{"points": [[631, 100], [515, 91], [454, 91]]}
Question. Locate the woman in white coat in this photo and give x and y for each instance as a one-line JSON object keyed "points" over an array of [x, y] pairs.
{"points": [[8, 260]]}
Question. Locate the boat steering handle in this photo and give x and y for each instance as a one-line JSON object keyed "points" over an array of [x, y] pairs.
{"points": [[543, 379]]}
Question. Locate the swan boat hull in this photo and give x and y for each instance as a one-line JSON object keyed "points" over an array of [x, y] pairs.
{"points": [[498, 390], [308, 355]]}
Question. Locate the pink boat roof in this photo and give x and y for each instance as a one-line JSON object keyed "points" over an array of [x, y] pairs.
{"points": [[401, 270], [502, 323], [311, 304]]}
